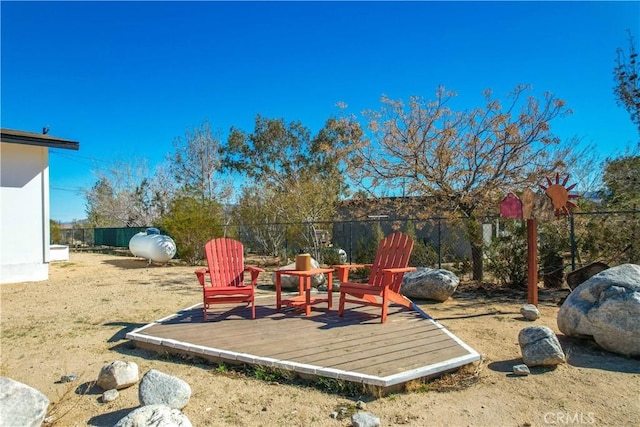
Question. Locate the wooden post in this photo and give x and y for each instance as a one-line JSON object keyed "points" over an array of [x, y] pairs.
{"points": [[532, 261]]}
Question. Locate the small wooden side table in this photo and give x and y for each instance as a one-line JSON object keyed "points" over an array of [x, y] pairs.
{"points": [[303, 299]]}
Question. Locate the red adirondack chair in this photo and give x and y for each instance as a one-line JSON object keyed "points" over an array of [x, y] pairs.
{"points": [[225, 269], [387, 271]]}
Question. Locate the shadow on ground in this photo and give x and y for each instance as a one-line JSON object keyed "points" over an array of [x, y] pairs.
{"points": [[122, 333], [131, 263], [110, 419], [580, 353], [585, 353], [506, 367]]}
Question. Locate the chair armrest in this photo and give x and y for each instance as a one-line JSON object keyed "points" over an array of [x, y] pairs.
{"points": [[343, 270], [200, 273], [391, 273], [254, 271], [398, 270]]}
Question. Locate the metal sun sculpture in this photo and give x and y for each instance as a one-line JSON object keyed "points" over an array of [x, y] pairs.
{"points": [[559, 194]]}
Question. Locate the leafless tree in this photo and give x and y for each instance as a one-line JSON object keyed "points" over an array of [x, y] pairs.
{"points": [[463, 161]]}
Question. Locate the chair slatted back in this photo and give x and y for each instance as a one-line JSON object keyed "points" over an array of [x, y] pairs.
{"points": [[393, 252], [225, 260]]}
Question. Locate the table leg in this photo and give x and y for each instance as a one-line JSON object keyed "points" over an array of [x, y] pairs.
{"points": [[307, 286], [300, 285], [278, 290], [330, 288]]}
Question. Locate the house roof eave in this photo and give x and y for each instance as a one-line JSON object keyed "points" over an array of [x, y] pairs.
{"points": [[29, 138]]}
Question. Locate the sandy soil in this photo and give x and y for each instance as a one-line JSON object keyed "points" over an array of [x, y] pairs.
{"points": [[77, 320]]}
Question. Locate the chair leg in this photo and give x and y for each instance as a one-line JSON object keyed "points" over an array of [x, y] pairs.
{"points": [[341, 305], [253, 307], [385, 306]]}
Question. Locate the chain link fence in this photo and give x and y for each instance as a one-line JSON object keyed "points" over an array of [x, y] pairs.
{"points": [[565, 244]]}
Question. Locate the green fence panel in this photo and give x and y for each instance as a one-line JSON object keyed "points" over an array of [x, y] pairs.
{"points": [[117, 237]]}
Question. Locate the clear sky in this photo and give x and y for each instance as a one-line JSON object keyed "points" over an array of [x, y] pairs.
{"points": [[126, 78]]}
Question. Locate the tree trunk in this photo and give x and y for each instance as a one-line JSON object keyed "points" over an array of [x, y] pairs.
{"points": [[474, 233], [477, 256]]}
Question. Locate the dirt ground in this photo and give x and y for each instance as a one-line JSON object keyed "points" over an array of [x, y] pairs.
{"points": [[77, 321]]}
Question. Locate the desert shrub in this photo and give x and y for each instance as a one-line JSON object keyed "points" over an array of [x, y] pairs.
{"points": [[330, 256], [55, 233], [552, 242], [506, 256], [367, 247], [192, 223], [423, 254]]}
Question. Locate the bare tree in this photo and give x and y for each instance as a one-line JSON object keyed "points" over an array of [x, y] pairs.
{"points": [[127, 195], [627, 82], [260, 222], [196, 161], [463, 160]]}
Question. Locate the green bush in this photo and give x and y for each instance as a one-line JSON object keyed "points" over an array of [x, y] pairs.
{"points": [[506, 256], [552, 242], [55, 233], [330, 256], [192, 223]]}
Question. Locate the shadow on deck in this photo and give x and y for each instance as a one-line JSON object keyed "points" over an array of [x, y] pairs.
{"points": [[355, 348]]}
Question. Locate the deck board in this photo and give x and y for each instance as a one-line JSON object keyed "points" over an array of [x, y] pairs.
{"points": [[356, 347]]}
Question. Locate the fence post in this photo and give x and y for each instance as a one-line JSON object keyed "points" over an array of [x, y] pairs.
{"points": [[440, 243], [572, 234], [532, 261], [350, 243]]}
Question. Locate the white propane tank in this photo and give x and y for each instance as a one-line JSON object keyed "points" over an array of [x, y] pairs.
{"points": [[152, 245]]}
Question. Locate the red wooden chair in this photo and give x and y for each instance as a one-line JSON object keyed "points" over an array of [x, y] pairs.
{"points": [[225, 268], [387, 271]]}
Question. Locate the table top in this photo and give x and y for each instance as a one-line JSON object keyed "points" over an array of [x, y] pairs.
{"points": [[311, 272]]}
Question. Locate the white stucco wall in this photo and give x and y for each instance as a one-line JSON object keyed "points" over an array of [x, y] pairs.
{"points": [[24, 213]]}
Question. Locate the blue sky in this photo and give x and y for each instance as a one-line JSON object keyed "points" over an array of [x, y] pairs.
{"points": [[126, 78]]}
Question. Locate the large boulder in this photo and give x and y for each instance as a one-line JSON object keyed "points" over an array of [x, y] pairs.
{"points": [[291, 282], [156, 416], [607, 308], [540, 347], [158, 388], [428, 283], [119, 374], [21, 405]]}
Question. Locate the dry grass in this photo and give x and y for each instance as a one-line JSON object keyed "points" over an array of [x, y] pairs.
{"points": [[461, 379]]}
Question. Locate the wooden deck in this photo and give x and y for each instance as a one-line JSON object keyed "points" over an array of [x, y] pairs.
{"points": [[355, 348]]}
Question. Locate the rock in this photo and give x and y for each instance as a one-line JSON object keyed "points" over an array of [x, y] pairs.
{"points": [[69, 378], [159, 388], [607, 308], [291, 282], [428, 283], [154, 416], [540, 346], [342, 256], [360, 404], [118, 375], [530, 312], [521, 370], [110, 395], [365, 419], [581, 275], [21, 405]]}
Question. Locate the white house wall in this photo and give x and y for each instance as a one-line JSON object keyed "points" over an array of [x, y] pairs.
{"points": [[24, 213]]}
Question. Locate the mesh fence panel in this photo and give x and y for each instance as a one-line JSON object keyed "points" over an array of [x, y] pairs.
{"points": [[564, 244]]}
